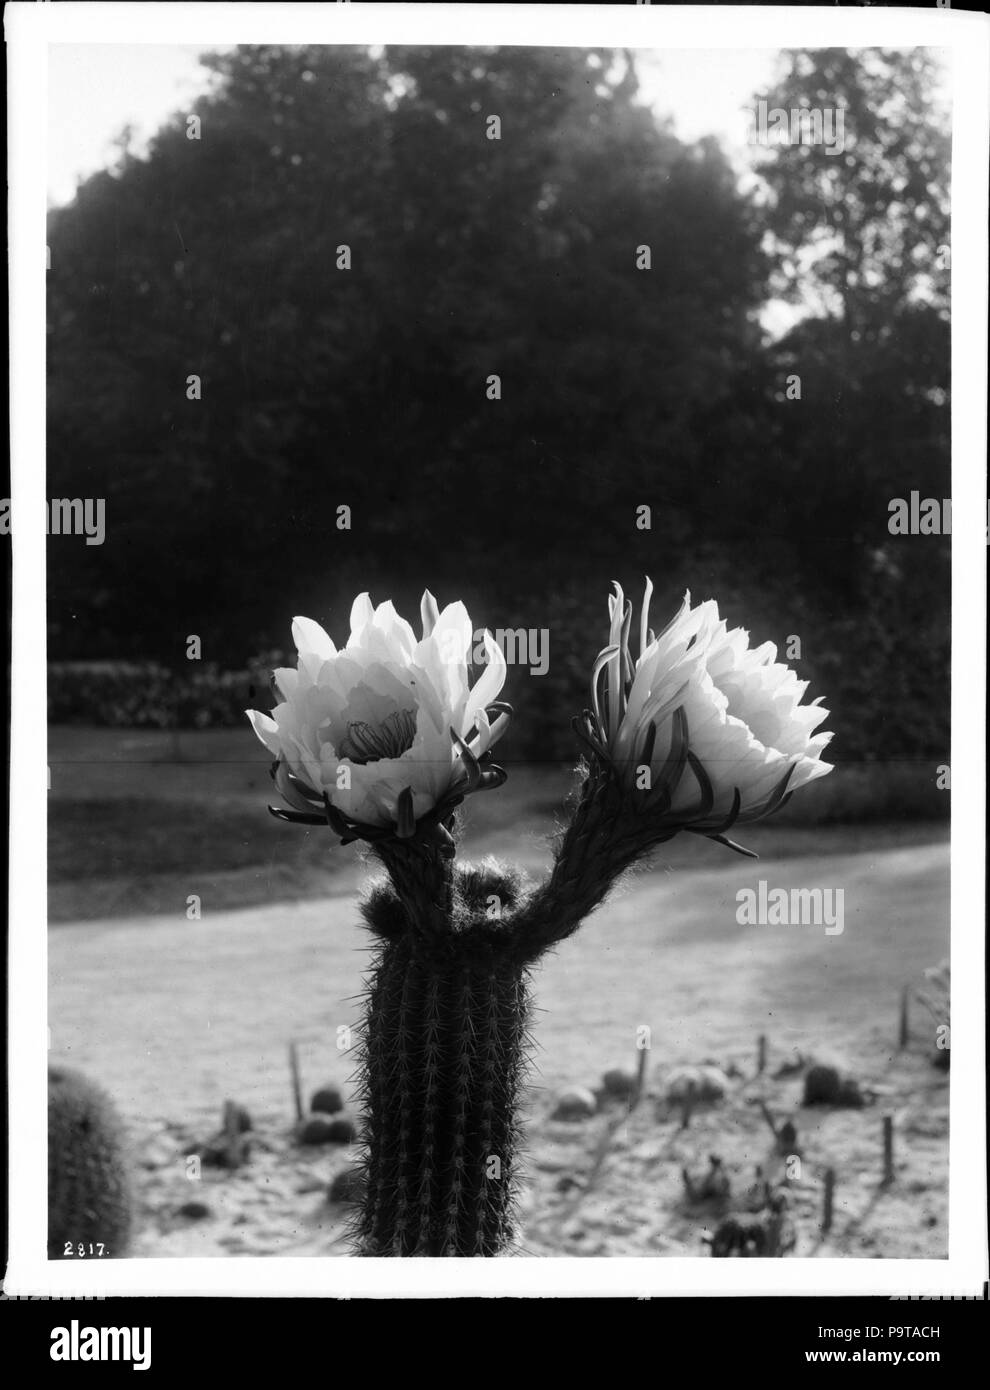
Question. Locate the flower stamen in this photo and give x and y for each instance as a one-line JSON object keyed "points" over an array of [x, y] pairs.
{"points": [[366, 743]]}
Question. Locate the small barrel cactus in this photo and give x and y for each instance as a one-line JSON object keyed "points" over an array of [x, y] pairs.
{"points": [[328, 1100], [711, 1185], [620, 1084], [316, 1129], [826, 1084], [575, 1103], [327, 1129], [90, 1201]]}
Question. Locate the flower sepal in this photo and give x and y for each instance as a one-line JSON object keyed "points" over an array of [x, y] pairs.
{"points": [[655, 803], [432, 830]]}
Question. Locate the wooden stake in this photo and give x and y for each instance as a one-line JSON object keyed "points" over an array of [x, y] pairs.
{"points": [[637, 1095], [232, 1134], [828, 1200], [765, 1112], [904, 1030], [687, 1105], [296, 1080], [888, 1150]]}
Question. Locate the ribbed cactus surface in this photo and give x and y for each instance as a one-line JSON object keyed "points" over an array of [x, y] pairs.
{"points": [[89, 1192], [445, 1050], [444, 1056], [447, 1024]]}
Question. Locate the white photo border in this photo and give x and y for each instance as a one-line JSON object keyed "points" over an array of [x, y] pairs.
{"points": [[30, 28]]}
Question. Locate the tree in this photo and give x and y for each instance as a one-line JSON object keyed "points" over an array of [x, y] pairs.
{"points": [[470, 257], [862, 226], [860, 241]]}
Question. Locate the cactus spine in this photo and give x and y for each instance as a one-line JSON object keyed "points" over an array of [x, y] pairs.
{"points": [[89, 1192], [445, 1036], [444, 1056], [445, 1052]]}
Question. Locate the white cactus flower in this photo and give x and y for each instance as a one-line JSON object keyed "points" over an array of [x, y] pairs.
{"points": [[388, 730], [707, 730]]}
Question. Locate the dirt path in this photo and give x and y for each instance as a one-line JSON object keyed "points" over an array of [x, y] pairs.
{"points": [[175, 1016]]}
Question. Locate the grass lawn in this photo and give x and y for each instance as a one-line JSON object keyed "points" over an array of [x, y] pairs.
{"points": [[138, 820]]}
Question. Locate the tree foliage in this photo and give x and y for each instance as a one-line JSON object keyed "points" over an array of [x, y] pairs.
{"points": [[473, 257]]}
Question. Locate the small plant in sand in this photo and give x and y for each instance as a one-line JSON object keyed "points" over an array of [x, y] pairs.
{"points": [[771, 1234], [382, 741]]}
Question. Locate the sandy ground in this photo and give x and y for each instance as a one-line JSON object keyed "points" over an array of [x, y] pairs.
{"points": [[176, 1016]]}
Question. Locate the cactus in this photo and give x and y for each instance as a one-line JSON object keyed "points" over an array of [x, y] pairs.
{"points": [[444, 1054], [89, 1191], [444, 1041], [825, 1084], [327, 1101], [444, 1048], [771, 1234]]}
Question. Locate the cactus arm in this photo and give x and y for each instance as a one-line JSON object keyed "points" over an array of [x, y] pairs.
{"points": [[603, 839], [444, 1048]]}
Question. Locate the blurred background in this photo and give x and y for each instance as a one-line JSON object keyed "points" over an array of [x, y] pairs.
{"points": [[621, 387], [669, 388]]}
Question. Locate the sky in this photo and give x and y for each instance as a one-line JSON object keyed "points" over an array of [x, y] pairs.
{"points": [[95, 90]]}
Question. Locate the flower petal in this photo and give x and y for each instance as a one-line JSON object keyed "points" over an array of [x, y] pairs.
{"points": [[311, 640]]}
